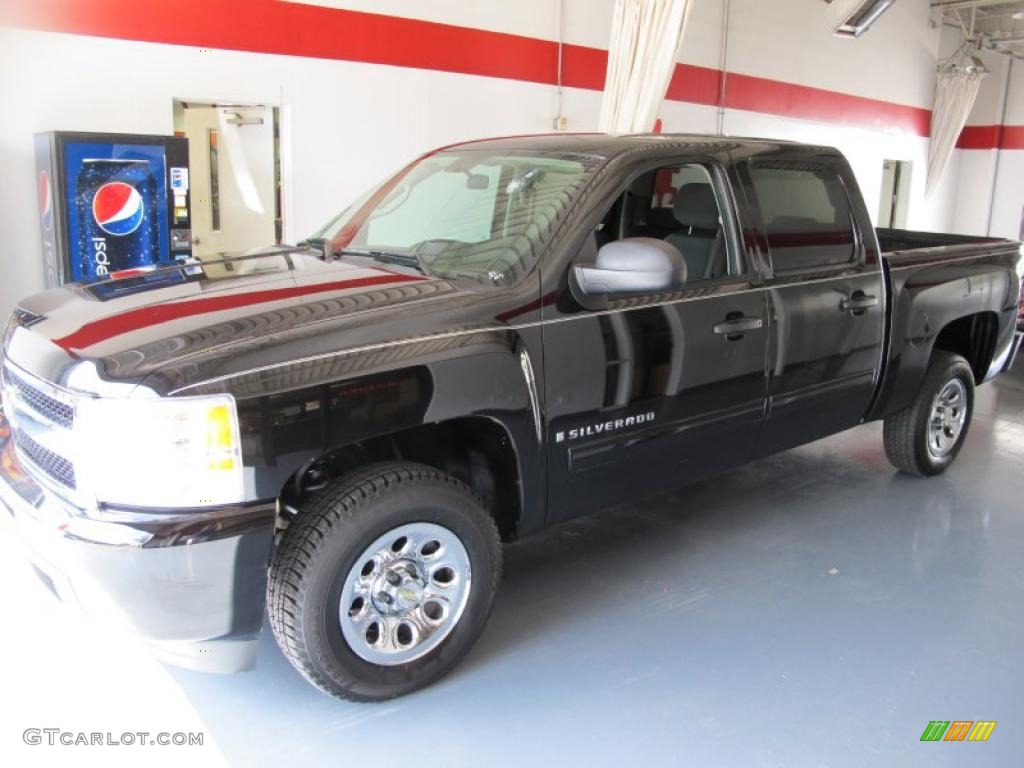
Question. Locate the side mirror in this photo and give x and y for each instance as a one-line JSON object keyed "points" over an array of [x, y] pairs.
{"points": [[631, 266]]}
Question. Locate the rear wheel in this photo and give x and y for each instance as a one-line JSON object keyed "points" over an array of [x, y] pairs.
{"points": [[925, 438], [384, 581]]}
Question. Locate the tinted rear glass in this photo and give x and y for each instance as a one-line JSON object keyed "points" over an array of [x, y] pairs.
{"points": [[805, 212]]}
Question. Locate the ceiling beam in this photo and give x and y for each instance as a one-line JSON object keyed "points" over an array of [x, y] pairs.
{"points": [[948, 5]]}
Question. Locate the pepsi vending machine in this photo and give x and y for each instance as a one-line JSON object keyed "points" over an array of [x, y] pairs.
{"points": [[111, 202]]}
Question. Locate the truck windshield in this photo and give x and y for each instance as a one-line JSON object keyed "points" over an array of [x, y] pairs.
{"points": [[463, 214]]}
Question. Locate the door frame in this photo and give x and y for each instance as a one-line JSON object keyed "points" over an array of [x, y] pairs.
{"points": [[283, 159], [725, 194], [866, 264], [555, 283]]}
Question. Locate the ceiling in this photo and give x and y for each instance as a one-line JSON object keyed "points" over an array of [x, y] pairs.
{"points": [[993, 24]]}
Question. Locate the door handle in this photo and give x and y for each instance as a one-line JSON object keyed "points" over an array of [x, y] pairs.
{"points": [[858, 302], [734, 327]]}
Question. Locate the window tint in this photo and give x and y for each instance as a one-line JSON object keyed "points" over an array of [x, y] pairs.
{"points": [[676, 204], [805, 212]]}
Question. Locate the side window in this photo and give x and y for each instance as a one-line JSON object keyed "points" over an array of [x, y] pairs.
{"points": [[677, 204], [806, 215]]}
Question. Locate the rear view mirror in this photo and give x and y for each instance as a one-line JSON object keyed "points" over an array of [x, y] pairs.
{"points": [[631, 266], [477, 181]]}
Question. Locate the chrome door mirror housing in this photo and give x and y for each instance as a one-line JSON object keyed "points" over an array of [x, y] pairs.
{"points": [[628, 267]]}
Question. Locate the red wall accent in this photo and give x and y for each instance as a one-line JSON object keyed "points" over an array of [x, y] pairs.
{"points": [[270, 26], [757, 94], [991, 137]]}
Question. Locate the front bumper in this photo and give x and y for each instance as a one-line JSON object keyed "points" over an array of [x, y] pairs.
{"points": [[190, 584]]}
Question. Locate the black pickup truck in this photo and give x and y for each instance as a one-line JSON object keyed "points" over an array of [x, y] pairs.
{"points": [[501, 336]]}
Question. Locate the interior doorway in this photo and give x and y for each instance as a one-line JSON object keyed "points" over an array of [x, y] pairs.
{"points": [[895, 199], [235, 169]]}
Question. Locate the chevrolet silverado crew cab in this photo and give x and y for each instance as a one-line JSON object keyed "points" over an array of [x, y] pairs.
{"points": [[503, 335]]}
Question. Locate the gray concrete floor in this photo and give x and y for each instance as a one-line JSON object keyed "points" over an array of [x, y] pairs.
{"points": [[813, 608]]}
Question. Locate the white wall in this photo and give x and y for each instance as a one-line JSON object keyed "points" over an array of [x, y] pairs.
{"points": [[1008, 200], [990, 194], [346, 124], [790, 40], [1008, 164]]}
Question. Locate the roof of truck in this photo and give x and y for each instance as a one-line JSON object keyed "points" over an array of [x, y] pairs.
{"points": [[608, 145]]}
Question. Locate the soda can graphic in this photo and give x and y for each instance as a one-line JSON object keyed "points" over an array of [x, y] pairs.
{"points": [[116, 208]]}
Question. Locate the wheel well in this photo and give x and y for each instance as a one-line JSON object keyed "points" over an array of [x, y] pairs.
{"points": [[973, 337], [476, 450]]}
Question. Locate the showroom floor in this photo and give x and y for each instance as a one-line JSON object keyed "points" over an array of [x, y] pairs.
{"points": [[814, 608]]}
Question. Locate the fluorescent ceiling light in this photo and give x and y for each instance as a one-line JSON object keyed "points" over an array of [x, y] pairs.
{"points": [[863, 16]]}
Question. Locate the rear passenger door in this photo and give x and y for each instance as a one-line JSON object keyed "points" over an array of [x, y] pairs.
{"points": [[826, 296]]}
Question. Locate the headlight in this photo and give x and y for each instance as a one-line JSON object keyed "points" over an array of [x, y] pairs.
{"points": [[161, 452]]}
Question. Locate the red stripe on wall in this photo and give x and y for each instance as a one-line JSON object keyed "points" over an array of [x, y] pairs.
{"points": [[756, 94], [978, 137], [1012, 137], [991, 137], [271, 26], [697, 85], [582, 67]]}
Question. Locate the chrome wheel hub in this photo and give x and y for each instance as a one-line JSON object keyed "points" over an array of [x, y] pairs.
{"points": [[405, 593], [398, 588], [947, 418]]}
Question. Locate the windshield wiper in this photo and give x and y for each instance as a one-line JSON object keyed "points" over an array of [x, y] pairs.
{"points": [[322, 246], [385, 257]]}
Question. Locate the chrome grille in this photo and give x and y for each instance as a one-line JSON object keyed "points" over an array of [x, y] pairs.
{"points": [[42, 417], [50, 408], [56, 467]]}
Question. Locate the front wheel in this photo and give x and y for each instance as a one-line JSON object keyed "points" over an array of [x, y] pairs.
{"points": [[384, 581], [925, 438]]}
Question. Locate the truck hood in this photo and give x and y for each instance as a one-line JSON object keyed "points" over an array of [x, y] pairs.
{"points": [[168, 329]]}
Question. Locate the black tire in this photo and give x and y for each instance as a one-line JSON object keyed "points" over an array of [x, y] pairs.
{"points": [[320, 547], [907, 432]]}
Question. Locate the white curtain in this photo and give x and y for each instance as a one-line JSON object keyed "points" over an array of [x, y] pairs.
{"points": [[955, 92], [646, 37]]}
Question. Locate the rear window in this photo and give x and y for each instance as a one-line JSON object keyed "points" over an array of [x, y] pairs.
{"points": [[805, 212]]}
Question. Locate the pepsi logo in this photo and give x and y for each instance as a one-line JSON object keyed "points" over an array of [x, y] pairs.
{"points": [[45, 201], [117, 208]]}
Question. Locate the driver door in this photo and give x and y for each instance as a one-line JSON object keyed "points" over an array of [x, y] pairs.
{"points": [[661, 390]]}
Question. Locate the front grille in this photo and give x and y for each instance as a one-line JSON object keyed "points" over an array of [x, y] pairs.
{"points": [[48, 407], [56, 467], [42, 417]]}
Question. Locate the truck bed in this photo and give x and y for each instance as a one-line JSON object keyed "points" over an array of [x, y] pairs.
{"points": [[904, 247], [898, 241]]}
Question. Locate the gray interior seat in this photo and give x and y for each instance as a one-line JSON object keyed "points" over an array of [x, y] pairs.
{"points": [[700, 241]]}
